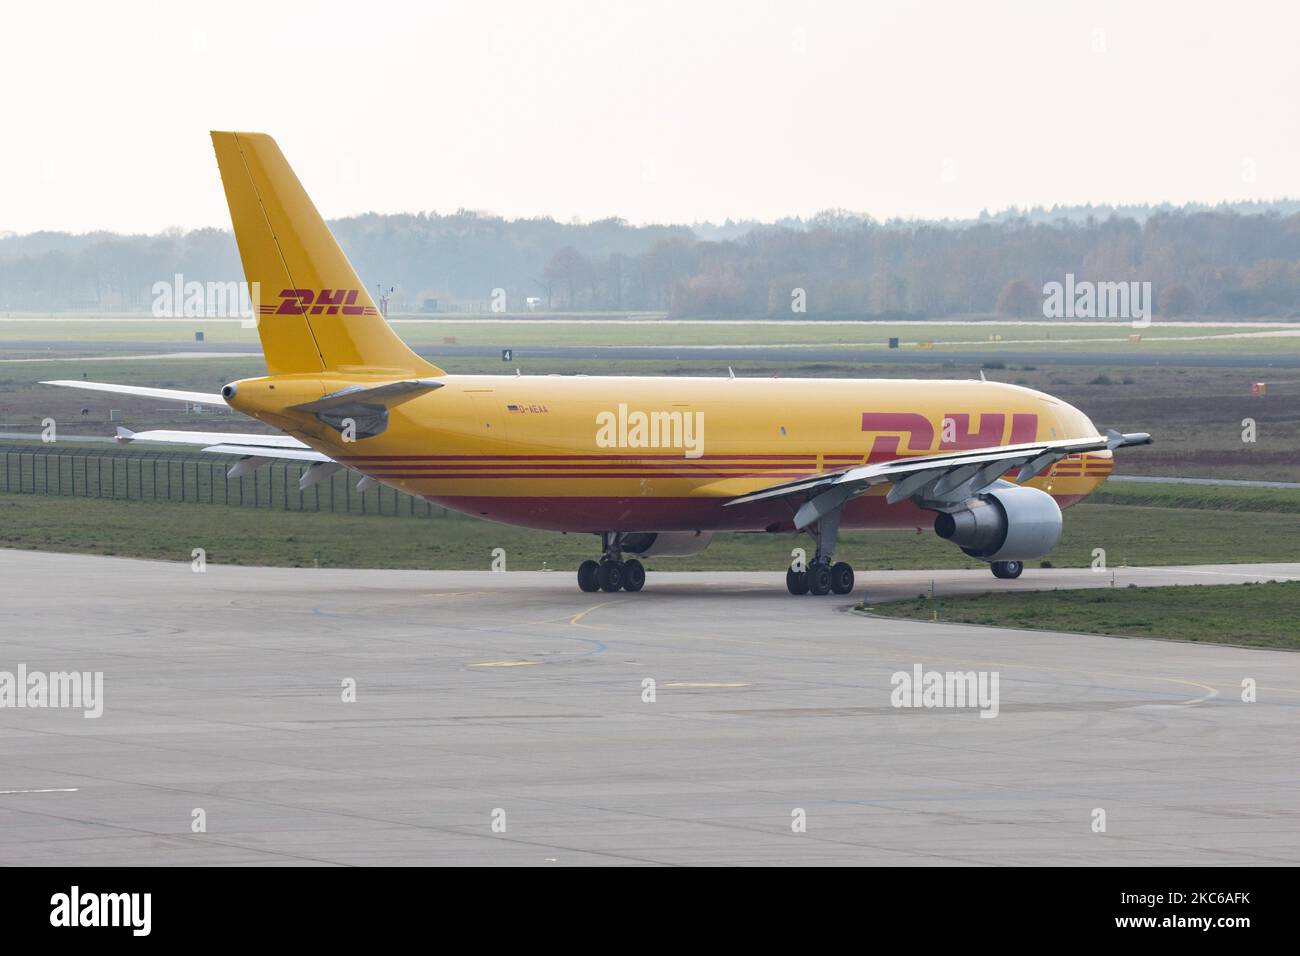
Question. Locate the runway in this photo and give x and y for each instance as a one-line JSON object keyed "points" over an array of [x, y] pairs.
{"points": [[720, 354], [516, 697]]}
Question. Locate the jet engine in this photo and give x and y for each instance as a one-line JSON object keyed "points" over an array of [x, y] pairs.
{"points": [[645, 544], [1011, 523]]}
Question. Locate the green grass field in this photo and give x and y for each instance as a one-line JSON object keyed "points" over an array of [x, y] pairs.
{"points": [[1255, 615], [244, 535], [1198, 497]]}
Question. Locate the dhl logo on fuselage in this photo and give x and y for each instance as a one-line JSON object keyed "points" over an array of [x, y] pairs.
{"points": [[955, 432], [318, 302]]}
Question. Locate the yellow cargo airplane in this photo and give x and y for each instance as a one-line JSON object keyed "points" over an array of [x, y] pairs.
{"points": [[651, 465]]}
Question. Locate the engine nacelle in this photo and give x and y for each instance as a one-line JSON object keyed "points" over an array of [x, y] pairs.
{"points": [[1004, 524], [674, 544]]}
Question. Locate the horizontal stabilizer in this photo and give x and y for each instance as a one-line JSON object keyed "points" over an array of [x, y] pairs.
{"points": [[386, 395], [361, 411], [167, 394]]}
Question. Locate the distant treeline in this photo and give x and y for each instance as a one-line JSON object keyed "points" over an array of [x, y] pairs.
{"points": [[1224, 261]]}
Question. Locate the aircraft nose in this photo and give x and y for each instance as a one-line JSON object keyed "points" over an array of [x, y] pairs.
{"points": [[1073, 423]]}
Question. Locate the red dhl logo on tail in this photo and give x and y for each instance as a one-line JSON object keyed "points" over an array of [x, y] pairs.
{"points": [[318, 302]]}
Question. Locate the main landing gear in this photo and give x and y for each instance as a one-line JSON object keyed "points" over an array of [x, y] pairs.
{"points": [[820, 578], [823, 575], [611, 572]]}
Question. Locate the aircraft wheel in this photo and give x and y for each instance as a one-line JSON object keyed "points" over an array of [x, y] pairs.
{"points": [[589, 576], [841, 578], [819, 579], [1008, 569], [610, 575], [633, 575], [796, 582]]}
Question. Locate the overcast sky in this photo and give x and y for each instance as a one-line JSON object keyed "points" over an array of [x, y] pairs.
{"points": [[655, 112]]}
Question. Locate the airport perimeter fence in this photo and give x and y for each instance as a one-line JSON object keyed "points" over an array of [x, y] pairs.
{"points": [[135, 474]]}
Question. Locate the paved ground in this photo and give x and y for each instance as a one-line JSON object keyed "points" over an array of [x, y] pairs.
{"points": [[222, 691]]}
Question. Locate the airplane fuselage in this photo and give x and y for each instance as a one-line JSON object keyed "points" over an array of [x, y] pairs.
{"points": [[598, 453]]}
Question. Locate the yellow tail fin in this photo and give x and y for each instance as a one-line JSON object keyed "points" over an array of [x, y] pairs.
{"points": [[315, 314]]}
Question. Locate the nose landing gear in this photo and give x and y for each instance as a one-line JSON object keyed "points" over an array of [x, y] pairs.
{"points": [[1007, 569]]}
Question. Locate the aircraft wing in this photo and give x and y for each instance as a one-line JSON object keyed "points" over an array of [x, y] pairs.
{"points": [[229, 443], [934, 480], [253, 451], [263, 451], [169, 394]]}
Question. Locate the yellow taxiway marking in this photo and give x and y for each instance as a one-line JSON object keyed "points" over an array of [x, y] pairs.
{"points": [[581, 614], [706, 684], [577, 621], [505, 664]]}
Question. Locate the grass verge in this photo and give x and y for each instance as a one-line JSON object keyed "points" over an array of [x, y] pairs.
{"points": [[245, 535], [1255, 615], [1198, 497]]}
